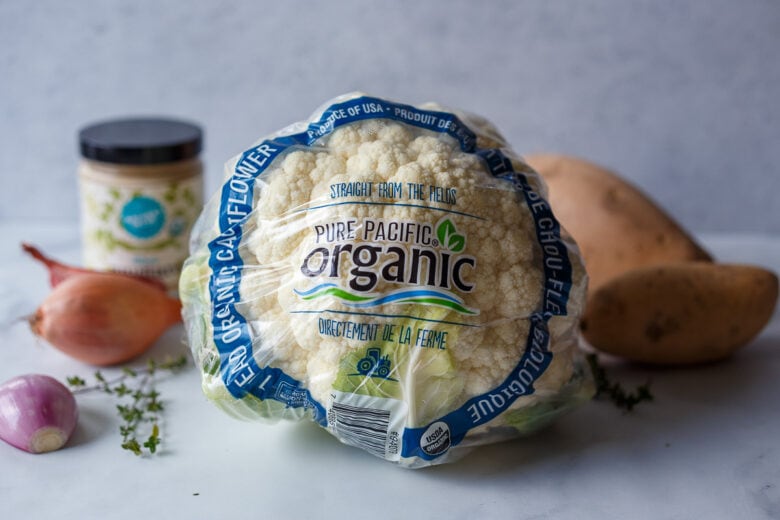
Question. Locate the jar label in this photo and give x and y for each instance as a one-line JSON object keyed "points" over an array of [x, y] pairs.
{"points": [[139, 229], [142, 217]]}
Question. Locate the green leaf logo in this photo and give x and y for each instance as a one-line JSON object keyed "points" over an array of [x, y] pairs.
{"points": [[449, 237], [456, 243], [444, 230]]}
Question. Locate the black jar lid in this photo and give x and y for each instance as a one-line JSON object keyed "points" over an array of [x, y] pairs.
{"points": [[141, 141]]}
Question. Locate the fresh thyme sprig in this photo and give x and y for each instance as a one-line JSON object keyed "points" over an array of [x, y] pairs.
{"points": [[138, 402], [614, 391]]}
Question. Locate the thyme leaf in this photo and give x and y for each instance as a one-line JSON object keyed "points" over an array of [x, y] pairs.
{"points": [[138, 402], [614, 391]]}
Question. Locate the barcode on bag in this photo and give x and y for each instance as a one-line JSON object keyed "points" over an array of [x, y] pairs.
{"points": [[362, 427]]}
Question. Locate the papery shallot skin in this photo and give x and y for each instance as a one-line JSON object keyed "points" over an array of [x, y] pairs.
{"points": [[37, 413], [104, 319]]}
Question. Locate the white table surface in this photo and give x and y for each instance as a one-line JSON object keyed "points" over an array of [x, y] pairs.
{"points": [[707, 447]]}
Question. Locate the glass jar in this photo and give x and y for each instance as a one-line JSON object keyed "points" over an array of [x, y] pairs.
{"points": [[141, 189]]}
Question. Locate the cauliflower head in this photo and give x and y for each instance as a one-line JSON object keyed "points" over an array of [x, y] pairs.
{"points": [[396, 270]]}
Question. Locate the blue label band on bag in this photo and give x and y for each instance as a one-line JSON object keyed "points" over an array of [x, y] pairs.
{"points": [[238, 368]]}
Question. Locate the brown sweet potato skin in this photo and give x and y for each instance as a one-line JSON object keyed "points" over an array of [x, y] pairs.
{"points": [[682, 313], [617, 227]]}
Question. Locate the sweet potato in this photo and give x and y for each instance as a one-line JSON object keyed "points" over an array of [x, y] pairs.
{"points": [[617, 227], [680, 313]]}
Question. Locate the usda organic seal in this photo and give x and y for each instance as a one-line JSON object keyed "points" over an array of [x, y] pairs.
{"points": [[436, 439]]}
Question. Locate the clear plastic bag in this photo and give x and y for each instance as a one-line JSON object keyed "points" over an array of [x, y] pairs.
{"points": [[392, 273]]}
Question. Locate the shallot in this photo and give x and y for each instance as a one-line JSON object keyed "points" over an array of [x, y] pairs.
{"points": [[104, 319], [37, 413], [59, 271]]}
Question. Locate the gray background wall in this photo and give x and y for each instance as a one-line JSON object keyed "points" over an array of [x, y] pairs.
{"points": [[681, 97]]}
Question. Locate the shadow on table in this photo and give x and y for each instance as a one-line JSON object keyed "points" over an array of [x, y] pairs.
{"points": [[93, 423]]}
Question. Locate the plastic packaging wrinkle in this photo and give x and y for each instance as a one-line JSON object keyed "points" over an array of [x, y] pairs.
{"points": [[393, 273]]}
